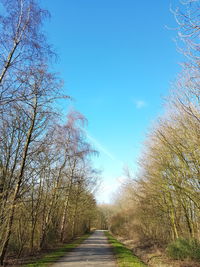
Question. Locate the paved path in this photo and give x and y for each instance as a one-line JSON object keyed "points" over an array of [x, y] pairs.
{"points": [[93, 252]]}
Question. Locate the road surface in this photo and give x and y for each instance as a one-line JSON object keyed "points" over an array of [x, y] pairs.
{"points": [[93, 252]]}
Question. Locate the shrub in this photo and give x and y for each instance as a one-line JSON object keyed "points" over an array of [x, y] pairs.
{"points": [[184, 248]]}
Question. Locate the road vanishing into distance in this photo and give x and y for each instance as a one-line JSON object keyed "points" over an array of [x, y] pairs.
{"points": [[93, 252]]}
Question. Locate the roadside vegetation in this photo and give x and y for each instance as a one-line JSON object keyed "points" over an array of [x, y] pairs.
{"points": [[181, 249], [124, 256]]}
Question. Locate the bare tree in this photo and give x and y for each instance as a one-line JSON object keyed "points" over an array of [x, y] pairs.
{"points": [[22, 45], [42, 89]]}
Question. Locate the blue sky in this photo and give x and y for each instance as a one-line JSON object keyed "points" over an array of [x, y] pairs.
{"points": [[117, 59]]}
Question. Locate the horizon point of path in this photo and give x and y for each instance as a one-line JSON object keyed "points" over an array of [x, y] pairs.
{"points": [[94, 251]]}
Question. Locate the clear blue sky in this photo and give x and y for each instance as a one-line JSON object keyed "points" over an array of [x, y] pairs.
{"points": [[117, 59]]}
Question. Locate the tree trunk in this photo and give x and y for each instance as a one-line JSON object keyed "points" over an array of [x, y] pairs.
{"points": [[18, 186], [64, 219]]}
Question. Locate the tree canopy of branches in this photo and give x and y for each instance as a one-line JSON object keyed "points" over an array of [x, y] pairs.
{"points": [[46, 178], [162, 203]]}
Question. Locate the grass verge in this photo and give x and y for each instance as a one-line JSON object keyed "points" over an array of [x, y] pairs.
{"points": [[52, 257], [124, 256]]}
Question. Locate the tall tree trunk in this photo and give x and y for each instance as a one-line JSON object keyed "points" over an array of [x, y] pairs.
{"points": [[75, 216]]}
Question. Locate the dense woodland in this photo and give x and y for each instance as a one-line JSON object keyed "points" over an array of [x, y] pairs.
{"points": [[161, 204], [46, 177]]}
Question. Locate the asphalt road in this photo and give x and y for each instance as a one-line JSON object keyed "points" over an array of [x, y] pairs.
{"points": [[93, 252]]}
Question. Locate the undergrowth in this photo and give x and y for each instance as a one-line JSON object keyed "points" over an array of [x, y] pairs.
{"points": [[182, 249], [124, 256]]}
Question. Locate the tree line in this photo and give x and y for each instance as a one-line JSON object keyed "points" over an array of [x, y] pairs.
{"points": [[161, 203], [46, 176]]}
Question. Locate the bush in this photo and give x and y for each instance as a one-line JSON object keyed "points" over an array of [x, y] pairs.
{"points": [[184, 248]]}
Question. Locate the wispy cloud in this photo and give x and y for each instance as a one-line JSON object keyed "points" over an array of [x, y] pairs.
{"points": [[140, 104], [99, 146]]}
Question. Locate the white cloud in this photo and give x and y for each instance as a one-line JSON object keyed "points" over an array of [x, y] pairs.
{"points": [[140, 104]]}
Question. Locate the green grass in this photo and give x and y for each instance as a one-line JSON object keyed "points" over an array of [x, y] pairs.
{"points": [[52, 257], [124, 256]]}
